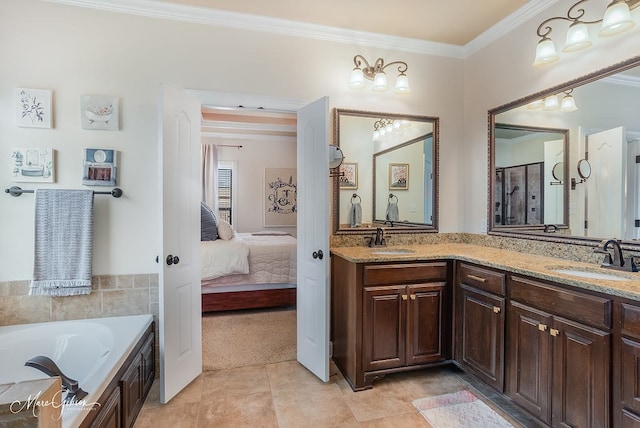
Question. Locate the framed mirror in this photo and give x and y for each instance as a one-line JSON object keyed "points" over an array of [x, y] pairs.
{"points": [[389, 174], [600, 195], [529, 162]]}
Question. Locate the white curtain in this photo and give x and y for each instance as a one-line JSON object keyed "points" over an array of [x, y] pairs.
{"points": [[209, 170]]}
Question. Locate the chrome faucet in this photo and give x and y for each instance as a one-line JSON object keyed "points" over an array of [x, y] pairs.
{"points": [[388, 221], [617, 261]]}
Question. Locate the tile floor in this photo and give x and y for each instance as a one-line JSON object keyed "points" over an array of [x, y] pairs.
{"points": [[286, 395]]}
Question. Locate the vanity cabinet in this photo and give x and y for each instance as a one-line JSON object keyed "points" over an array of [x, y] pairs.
{"points": [[629, 367], [558, 360], [388, 317], [480, 322]]}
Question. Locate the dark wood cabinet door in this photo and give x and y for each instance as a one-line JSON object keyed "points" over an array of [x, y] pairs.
{"points": [[481, 340], [427, 320], [529, 355], [383, 327], [630, 375], [132, 392], [110, 412], [581, 375]]}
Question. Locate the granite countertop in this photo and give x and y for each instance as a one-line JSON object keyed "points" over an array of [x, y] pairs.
{"points": [[526, 264]]}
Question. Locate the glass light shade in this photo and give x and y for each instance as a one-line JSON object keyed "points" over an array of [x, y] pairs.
{"points": [[551, 103], [568, 104], [389, 128], [577, 37], [380, 82], [536, 104], [376, 135], [357, 79], [396, 124], [402, 84], [545, 52], [617, 19]]}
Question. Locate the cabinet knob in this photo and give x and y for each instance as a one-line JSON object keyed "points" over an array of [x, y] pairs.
{"points": [[553, 332], [413, 297], [496, 309], [542, 327], [404, 297]]}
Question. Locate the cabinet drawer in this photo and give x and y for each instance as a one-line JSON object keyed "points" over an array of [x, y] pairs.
{"points": [[405, 273], [483, 279], [631, 321], [592, 310]]}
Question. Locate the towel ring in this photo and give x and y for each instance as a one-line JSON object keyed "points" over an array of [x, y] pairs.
{"points": [[391, 196], [355, 195]]}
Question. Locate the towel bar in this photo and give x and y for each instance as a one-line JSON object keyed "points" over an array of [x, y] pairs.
{"points": [[17, 191]]}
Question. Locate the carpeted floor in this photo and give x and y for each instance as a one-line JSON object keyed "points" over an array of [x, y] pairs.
{"points": [[248, 338]]}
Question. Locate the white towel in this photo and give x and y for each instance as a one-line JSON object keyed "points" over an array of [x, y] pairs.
{"points": [[63, 243]]}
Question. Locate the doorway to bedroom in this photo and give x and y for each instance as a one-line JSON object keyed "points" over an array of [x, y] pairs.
{"points": [[249, 181]]}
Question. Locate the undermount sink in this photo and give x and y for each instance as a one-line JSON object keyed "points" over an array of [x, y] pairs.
{"points": [[584, 273], [391, 251]]}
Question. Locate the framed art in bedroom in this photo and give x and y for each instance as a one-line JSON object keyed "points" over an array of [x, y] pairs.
{"points": [[280, 197]]}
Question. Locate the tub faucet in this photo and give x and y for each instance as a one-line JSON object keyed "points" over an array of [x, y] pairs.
{"points": [[617, 261], [48, 367]]}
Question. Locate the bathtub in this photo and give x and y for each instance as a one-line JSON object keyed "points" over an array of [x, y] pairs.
{"points": [[90, 351]]}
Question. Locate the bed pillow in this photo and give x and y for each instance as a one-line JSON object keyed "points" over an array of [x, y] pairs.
{"points": [[225, 230], [208, 223]]}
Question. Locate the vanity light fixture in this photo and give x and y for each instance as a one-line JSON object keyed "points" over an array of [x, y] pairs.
{"points": [[382, 127], [565, 104], [616, 19], [375, 72]]}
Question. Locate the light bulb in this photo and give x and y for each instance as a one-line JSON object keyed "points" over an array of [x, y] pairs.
{"points": [[357, 79], [545, 52], [380, 82], [577, 37], [617, 19]]}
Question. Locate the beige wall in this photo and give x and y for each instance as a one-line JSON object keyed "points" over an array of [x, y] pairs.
{"points": [[75, 51], [502, 72]]}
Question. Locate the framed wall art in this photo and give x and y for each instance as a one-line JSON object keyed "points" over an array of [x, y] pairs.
{"points": [[348, 176], [398, 176], [100, 113], [32, 165], [100, 167], [280, 197], [33, 108]]}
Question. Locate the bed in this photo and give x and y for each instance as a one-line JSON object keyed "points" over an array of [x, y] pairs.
{"points": [[250, 270]]}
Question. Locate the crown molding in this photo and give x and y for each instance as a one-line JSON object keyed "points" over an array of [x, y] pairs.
{"points": [[207, 16], [624, 80], [512, 21]]}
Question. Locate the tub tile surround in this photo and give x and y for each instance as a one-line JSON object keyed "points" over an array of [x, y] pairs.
{"points": [[112, 295]]}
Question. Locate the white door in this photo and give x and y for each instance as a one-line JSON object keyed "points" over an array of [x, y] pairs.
{"points": [[553, 193], [179, 298], [607, 155], [313, 238]]}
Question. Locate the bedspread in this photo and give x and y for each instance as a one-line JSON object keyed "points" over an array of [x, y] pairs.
{"points": [[272, 259], [220, 257]]}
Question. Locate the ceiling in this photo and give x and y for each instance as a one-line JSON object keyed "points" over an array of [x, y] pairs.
{"points": [[445, 21]]}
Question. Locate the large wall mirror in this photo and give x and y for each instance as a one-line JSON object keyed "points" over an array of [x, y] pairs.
{"points": [[389, 174], [566, 157]]}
